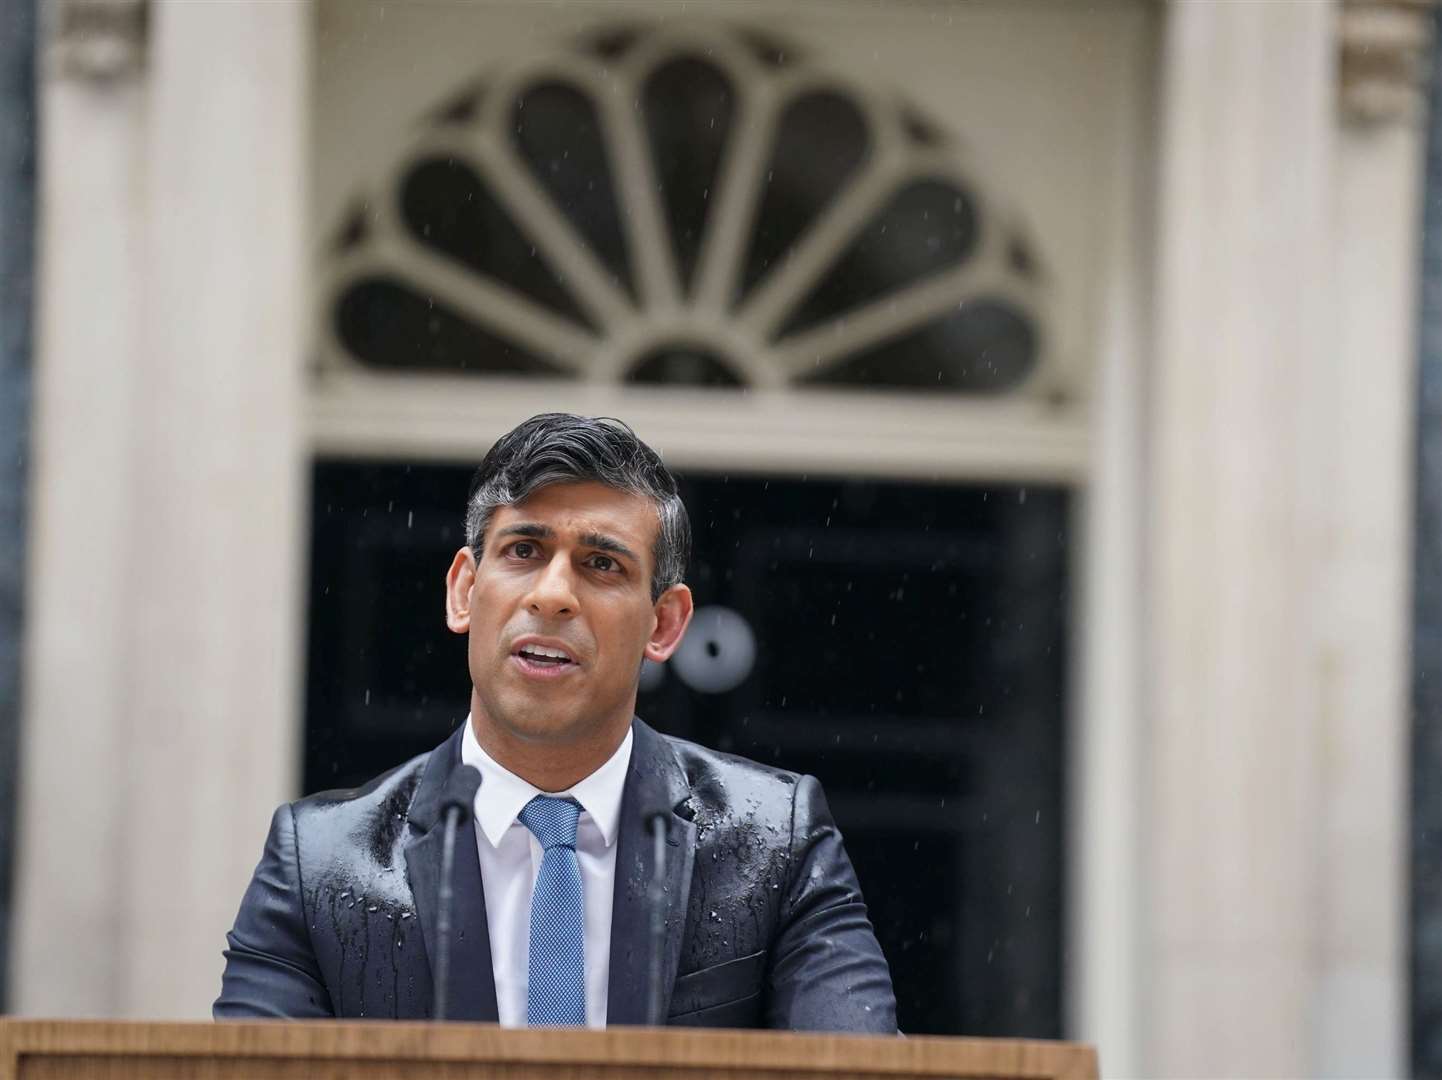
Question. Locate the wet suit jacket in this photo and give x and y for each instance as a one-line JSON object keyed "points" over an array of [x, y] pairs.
{"points": [[765, 924]]}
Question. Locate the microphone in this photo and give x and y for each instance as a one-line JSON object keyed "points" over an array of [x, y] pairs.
{"points": [[658, 824], [459, 797]]}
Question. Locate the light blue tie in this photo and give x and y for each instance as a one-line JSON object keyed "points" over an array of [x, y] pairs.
{"points": [[557, 968]]}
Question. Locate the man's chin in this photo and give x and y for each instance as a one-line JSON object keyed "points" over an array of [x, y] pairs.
{"points": [[536, 717]]}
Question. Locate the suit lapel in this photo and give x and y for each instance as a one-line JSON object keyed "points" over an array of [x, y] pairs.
{"points": [[472, 981], [654, 779]]}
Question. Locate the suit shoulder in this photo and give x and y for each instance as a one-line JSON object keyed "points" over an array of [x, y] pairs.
{"points": [[720, 781], [395, 787], [357, 831]]}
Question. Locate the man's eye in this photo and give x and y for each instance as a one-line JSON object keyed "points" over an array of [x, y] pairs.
{"points": [[523, 550], [603, 562]]}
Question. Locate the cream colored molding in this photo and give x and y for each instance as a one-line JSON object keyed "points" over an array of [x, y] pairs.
{"points": [[96, 41], [434, 417], [1384, 59]]}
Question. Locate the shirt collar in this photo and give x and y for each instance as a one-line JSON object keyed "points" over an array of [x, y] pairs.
{"points": [[503, 794]]}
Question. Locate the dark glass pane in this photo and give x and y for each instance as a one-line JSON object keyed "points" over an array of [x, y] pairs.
{"points": [[688, 105], [927, 227], [447, 206], [388, 325], [558, 134], [821, 141], [984, 346], [910, 653], [682, 366]]}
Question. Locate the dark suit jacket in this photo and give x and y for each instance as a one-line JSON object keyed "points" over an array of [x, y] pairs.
{"points": [[765, 927]]}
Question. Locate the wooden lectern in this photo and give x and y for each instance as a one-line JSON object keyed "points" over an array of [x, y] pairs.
{"points": [[283, 1050]]}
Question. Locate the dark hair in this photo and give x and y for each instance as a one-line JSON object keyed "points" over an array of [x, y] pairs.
{"points": [[560, 448]]}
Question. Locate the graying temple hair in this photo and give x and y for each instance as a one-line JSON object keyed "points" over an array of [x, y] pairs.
{"points": [[561, 448]]}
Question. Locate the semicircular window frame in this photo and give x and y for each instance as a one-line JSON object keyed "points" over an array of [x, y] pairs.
{"points": [[692, 205]]}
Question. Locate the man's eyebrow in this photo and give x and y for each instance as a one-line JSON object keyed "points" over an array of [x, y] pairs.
{"points": [[606, 543], [526, 528]]}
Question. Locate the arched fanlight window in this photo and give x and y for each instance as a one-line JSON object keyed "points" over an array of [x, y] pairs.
{"points": [[693, 206]]}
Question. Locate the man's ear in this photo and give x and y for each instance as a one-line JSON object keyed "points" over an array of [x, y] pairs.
{"points": [[673, 615], [459, 579]]}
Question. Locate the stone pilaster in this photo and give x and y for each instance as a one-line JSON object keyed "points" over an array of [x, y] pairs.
{"points": [[1242, 309], [162, 704]]}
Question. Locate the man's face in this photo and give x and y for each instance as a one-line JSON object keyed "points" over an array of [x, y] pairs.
{"points": [[559, 613]]}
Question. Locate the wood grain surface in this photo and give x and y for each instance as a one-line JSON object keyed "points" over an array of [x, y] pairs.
{"points": [[122, 1050]]}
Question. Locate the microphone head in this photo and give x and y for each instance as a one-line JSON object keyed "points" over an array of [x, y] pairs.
{"points": [[461, 787]]}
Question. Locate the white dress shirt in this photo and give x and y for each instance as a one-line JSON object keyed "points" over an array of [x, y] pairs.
{"points": [[511, 859]]}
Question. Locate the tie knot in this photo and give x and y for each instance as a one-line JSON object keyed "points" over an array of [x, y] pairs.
{"points": [[552, 821]]}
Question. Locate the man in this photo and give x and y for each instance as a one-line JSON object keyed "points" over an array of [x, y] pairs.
{"points": [[571, 577]]}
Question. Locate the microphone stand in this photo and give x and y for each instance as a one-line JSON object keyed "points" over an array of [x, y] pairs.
{"points": [[656, 900], [443, 921], [458, 798]]}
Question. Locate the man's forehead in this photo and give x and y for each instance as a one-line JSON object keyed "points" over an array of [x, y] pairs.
{"points": [[584, 508]]}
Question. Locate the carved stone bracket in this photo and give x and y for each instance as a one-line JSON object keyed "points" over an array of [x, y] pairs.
{"points": [[97, 41], [1385, 48]]}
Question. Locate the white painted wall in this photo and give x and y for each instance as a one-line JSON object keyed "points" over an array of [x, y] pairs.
{"points": [[1274, 888], [1244, 318], [71, 855], [162, 716]]}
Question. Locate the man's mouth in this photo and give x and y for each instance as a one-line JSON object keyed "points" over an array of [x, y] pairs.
{"points": [[541, 654], [544, 658]]}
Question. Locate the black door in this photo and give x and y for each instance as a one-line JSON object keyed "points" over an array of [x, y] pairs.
{"points": [[905, 643]]}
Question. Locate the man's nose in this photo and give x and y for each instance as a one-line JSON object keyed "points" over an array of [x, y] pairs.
{"points": [[553, 589]]}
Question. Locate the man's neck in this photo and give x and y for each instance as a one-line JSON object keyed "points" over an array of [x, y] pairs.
{"points": [[548, 765]]}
